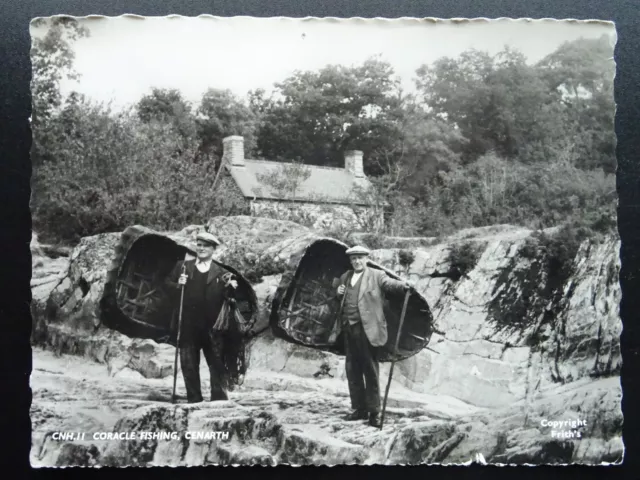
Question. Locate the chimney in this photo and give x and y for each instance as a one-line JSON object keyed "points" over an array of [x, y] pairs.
{"points": [[353, 163], [233, 150]]}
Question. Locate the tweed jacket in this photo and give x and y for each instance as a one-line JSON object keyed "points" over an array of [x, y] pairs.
{"points": [[374, 284]]}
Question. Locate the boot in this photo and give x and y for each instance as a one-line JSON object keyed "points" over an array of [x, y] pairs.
{"points": [[219, 395], [356, 415], [375, 420]]}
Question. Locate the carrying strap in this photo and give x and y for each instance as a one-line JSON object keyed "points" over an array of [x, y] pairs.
{"points": [[347, 282]]}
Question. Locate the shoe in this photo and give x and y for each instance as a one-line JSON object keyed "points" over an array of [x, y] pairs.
{"points": [[375, 420], [219, 397], [356, 415]]}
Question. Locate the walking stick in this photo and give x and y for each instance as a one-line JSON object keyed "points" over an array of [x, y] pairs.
{"points": [[395, 350], [175, 361]]}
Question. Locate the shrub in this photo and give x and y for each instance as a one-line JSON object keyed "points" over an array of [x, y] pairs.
{"points": [[560, 250], [324, 371], [493, 190], [115, 171], [374, 241], [263, 267], [406, 258], [340, 233], [529, 249], [463, 257], [405, 216]]}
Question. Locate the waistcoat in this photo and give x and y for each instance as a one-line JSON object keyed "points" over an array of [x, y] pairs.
{"points": [[350, 310]]}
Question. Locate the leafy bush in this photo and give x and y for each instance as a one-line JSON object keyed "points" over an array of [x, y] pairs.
{"points": [[263, 267], [405, 216], [112, 170], [463, 257], [373, 241], [324, 371], [248, 261], [558, 250], [340, 233], [406, 257], [495, 191], [530, 248]]}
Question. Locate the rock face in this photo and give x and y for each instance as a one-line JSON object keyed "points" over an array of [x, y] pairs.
{"points": [[516, 347], [509, 340]]}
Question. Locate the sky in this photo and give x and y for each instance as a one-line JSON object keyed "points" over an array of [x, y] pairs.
{"points": [[124, 57]]}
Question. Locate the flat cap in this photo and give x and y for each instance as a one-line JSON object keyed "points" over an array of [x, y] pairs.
{"points": [[207, 237], [358, 250]]}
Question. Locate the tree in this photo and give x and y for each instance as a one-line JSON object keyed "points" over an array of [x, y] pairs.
{"points": [[316, 116], [220, 115], [495, 190], [582, 65], [286, 179], [52, 59], [421, 144], [117, 171], [162, 104], [558, 109], [582, 71], [167, 106], [498, 102]]}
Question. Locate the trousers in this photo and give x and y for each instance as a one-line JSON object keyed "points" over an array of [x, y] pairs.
{"points": [[362, 369], [211, 346]]}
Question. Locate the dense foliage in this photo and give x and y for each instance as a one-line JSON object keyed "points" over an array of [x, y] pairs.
{"points": [[483, 140], [115, 170]]}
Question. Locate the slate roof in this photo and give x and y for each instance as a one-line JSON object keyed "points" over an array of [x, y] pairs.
{"points": [[324, 185]]}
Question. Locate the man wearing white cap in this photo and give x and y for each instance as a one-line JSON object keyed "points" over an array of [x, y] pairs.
{"points": [[365, 330], [204, 294]]}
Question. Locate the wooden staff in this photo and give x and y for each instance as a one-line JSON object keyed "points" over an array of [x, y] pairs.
{"points": [[395, 351], [175, 361]]}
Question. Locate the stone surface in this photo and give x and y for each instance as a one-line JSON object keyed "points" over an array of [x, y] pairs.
{"points": [[285, 419], [506, 353]]}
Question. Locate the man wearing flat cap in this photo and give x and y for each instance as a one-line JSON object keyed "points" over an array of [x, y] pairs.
{"points": [[365, 330], [205, 291]]}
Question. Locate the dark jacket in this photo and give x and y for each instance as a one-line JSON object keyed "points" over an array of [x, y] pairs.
{"points": [[215, 294]]}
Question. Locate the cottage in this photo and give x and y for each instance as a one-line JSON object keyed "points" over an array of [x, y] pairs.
{"points": [[312, 195]]}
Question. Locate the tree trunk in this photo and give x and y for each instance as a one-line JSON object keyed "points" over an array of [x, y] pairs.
{"points": [[215, 180]]}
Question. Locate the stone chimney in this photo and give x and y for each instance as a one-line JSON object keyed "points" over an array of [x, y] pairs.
{"points": [[233, 150], [353, 163]]}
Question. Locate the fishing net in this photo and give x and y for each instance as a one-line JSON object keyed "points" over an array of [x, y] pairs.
{"points": [[232, 329]]}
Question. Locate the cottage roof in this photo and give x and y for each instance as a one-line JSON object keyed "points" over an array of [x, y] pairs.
{"points": [[324, 184]]}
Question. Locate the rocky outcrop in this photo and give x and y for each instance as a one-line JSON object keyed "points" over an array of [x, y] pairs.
{"points": [[66, 320], [514, 344], [279, 418]]}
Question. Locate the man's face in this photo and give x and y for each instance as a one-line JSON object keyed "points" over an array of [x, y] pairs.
{"points": [[358, 262], [204, 250]]}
